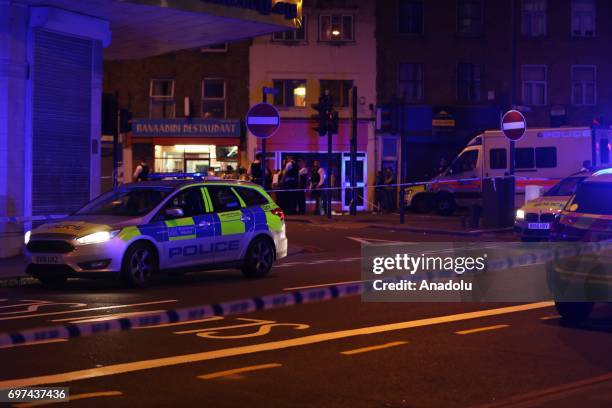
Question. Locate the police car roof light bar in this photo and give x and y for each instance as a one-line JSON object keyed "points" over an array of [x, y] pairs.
{"points": [[162, 176]]}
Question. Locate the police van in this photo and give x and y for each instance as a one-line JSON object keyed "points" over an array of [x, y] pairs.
{"points": [[543, 156], [139, 229]]}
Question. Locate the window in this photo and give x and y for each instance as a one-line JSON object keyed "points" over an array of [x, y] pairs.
{"points": [[583, 18], [126, 202], [546, 157], [533, 18], [411, 16], [213, 98], [468, 82], [223, 198], [339, 91], [593, 198], [190, 201], [524, 158], [534, 85], [498, 159], [565, 187], [290, 93], [251, 197], [297, 35], [584, 90], [469, 17], [467, 161], [161, 94], [411, 81], [336, 27], [221, 47]]}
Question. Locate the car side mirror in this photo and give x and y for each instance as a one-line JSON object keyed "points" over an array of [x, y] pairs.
{"points": [[175, 213]]}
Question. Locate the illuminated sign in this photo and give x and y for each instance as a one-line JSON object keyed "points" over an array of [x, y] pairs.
{"points": [[185, 128]]}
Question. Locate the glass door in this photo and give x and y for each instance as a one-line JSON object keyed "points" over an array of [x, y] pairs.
{"points": [[362, 191]]}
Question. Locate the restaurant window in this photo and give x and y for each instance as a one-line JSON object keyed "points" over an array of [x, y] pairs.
{"points": [[290, 93], [469, 17], [584, 91], [411, 81], [297, 35], [213, 98], [195, 158], [410, 16], [583, 18], [339, 91], [161, 99], [336, 27], [533, 18], [468, 82], [534, 85]]}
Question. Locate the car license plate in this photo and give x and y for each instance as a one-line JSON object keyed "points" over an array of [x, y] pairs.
{"points": [[539, 225], [46, 260]]}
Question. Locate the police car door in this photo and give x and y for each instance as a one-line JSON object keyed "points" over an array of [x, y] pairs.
{"points": [[190, 230], [235, 223]]}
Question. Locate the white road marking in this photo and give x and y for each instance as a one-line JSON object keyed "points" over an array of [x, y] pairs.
{"points": [[482, 329], [323, 285], [373, 348], [235, 371], [135, 366], [102, 318], [36, 343]]}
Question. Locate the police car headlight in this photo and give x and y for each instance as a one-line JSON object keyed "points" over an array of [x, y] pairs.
{"points": [[520, 214], [97, 237], [26, 237]]}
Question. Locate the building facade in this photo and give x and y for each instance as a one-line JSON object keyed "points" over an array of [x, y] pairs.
{"points": [[333, 50], [449, 63]]}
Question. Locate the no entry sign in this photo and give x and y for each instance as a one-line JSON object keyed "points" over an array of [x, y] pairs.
{"points": [[513, 125], [262, 120]]}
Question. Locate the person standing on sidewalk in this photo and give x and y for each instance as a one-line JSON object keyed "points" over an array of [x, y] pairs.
{"points": [[302, 185], [317, 181], [142, 171], [390, 189], [379, 192], [290, 182], [255, 171]]}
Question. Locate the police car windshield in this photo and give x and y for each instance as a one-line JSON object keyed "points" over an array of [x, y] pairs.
{"points": [[593, 198], [126, 203], [565, 187]]}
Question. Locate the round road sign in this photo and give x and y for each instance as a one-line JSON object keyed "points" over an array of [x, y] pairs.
{"points": [[513, 125], [262, 120]]}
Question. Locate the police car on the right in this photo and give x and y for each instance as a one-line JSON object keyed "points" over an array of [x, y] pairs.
{"points": [[580, 280]]}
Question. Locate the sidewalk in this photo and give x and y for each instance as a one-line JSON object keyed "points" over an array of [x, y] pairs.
{"points": [[12, 268], [420, 223]]}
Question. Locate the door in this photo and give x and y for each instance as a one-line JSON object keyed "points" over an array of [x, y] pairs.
{"points": [[190, 235], [361, 190], [235, 223]]}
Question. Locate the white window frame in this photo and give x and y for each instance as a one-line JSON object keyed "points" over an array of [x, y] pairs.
{"points": [[340, 40], [581, 30], [583, 85], [294, 40], [284, 94], [224, 99], [530, 31], [532, 87], [162, 98]]}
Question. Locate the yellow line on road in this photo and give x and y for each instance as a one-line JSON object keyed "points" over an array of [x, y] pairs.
{"points": [[33, 344], [481, 329], [122, 368], [373, 348], [323, 285], [71, 398], [553, 317], [235, 371]]}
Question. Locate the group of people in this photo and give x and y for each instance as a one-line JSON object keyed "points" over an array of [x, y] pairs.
{"points": [[291, 183]]}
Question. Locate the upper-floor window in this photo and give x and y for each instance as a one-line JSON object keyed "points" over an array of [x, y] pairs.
{"points": [[469, 17], [584, 90], [468, 82], [161, 99], [533, 18], [534, 85], [410, 16], [411, 81], [339, 91], [336, 27], [583, 18], [297, 35], [290, 93], [213, 98]]}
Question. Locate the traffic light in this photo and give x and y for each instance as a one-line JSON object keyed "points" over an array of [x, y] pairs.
{"points": [[323, 108], [125, 121], [387, 118], [333, 123]]}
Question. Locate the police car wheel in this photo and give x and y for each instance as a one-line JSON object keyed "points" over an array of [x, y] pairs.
{"points": [[139, 265], [52, 281], [259, 258], [445, 204], [574, 312]]}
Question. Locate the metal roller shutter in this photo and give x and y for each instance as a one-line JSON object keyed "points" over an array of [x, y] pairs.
{"points": [[61, 127]]}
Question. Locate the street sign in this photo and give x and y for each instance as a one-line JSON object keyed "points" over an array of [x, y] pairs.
{"points": [[262, 120], [513, 125]]}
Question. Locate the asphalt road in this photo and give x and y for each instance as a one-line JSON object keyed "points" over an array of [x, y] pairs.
{"points": [[338, 353]]}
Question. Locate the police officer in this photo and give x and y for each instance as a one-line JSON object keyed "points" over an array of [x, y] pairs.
{"points": [[255, 171], [142, 171], [290, 182], [302, 185], [317, 181]]}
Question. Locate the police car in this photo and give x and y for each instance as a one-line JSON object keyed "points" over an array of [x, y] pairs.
{"points": [[579, 281], [139, 229]]}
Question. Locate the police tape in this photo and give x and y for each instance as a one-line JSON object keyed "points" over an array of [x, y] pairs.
{"points": [[275, 301]]}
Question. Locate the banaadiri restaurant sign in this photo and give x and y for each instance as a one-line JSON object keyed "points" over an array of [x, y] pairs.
{"points": [[185, 128]]}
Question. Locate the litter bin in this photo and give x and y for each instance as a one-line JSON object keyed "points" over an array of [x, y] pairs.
{"points": [[498, 202]]}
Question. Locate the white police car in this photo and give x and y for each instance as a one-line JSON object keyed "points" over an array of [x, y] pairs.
{"points": [[139, 229]]}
